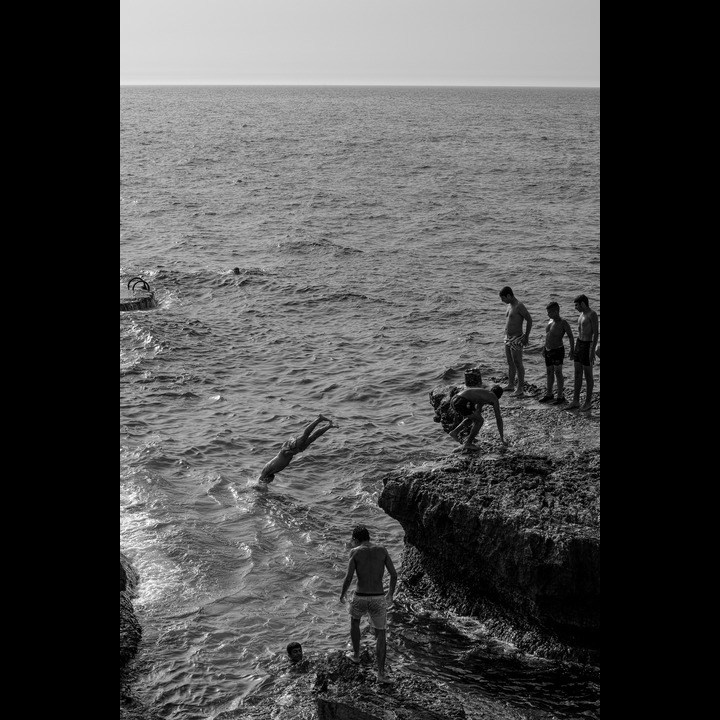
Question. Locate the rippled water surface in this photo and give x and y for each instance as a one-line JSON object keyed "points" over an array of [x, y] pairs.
{"points": [[372, 229]]}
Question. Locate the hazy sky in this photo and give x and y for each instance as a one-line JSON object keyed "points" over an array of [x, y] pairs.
{"points": [[360, 42]]}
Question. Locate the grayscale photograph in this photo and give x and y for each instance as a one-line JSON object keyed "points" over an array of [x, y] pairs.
{"points": [[359, 360]]}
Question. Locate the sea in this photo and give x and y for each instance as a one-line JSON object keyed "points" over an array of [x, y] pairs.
{"points": [[337, 251]]}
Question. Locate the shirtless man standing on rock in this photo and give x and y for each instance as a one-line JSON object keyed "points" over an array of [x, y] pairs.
{"points": [[369, 561], [554, 352], [515, 339], [584, 355]]}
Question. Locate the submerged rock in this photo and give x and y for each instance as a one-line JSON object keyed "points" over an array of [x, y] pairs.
{"points": [[334, 688]]}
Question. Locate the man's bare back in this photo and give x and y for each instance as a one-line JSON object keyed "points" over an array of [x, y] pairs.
{"points": [[370, 561], [479, 396]]}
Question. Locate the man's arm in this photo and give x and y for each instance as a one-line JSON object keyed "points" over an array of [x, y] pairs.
{"points": [[569, 333], [499, 420], [528, 323], [595, 332], [348, 577], [278, 463], [393, 577]]}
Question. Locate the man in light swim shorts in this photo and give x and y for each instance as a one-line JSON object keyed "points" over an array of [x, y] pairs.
{"points": [[515, 339], [369, 561]]}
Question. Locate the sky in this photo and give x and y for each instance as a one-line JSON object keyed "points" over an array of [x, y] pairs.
{"points": [[552, 43]]}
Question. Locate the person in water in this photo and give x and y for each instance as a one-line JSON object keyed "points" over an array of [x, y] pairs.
{"points": [[294, 651], [470, 403], [584, 355], [293, 446], [554, 352], [369, 561], [515, 339]]}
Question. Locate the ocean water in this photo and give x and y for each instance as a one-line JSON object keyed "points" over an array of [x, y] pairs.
{"points": [[372, 228]]}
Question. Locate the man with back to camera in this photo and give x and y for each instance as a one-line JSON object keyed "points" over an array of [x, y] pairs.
{"points": [[369, 561], [515, 339]]}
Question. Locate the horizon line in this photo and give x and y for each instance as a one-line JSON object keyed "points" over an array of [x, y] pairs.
{"points": [[257, 84]]}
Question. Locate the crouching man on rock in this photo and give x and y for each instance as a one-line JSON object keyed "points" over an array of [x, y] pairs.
{"points": [[369, 561], [469, 403]]}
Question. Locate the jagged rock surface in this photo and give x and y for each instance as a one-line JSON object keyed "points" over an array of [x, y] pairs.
{"points": [[130, 630], [130, 635], [512, 538]]}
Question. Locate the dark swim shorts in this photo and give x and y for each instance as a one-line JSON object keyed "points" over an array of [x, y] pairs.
{"points": [[582, 352], [554, 356], [463, 406]]}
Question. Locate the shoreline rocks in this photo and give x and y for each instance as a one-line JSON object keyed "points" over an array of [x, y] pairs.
{"points": [[509, 537], [130, 636], [332, 687], [130, 630]]}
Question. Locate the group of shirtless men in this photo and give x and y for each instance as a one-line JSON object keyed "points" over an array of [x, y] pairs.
{"points": [[368, 560], [470, 402]]}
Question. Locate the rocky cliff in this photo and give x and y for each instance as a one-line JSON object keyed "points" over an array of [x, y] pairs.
{"points": [[511, 538]]}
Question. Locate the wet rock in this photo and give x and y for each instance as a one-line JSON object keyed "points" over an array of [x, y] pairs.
{"points": [[131, 708], [130, 630], [334, 688]]}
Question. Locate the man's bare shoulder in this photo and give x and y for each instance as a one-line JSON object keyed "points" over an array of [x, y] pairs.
{"points": [[371, 549]]}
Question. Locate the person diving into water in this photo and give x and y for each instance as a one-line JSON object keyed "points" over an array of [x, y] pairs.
{"points": [[293, 446]]}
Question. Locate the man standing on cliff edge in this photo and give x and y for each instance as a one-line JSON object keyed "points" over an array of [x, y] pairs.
{"points": [[515, 339], [584, 355]]}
